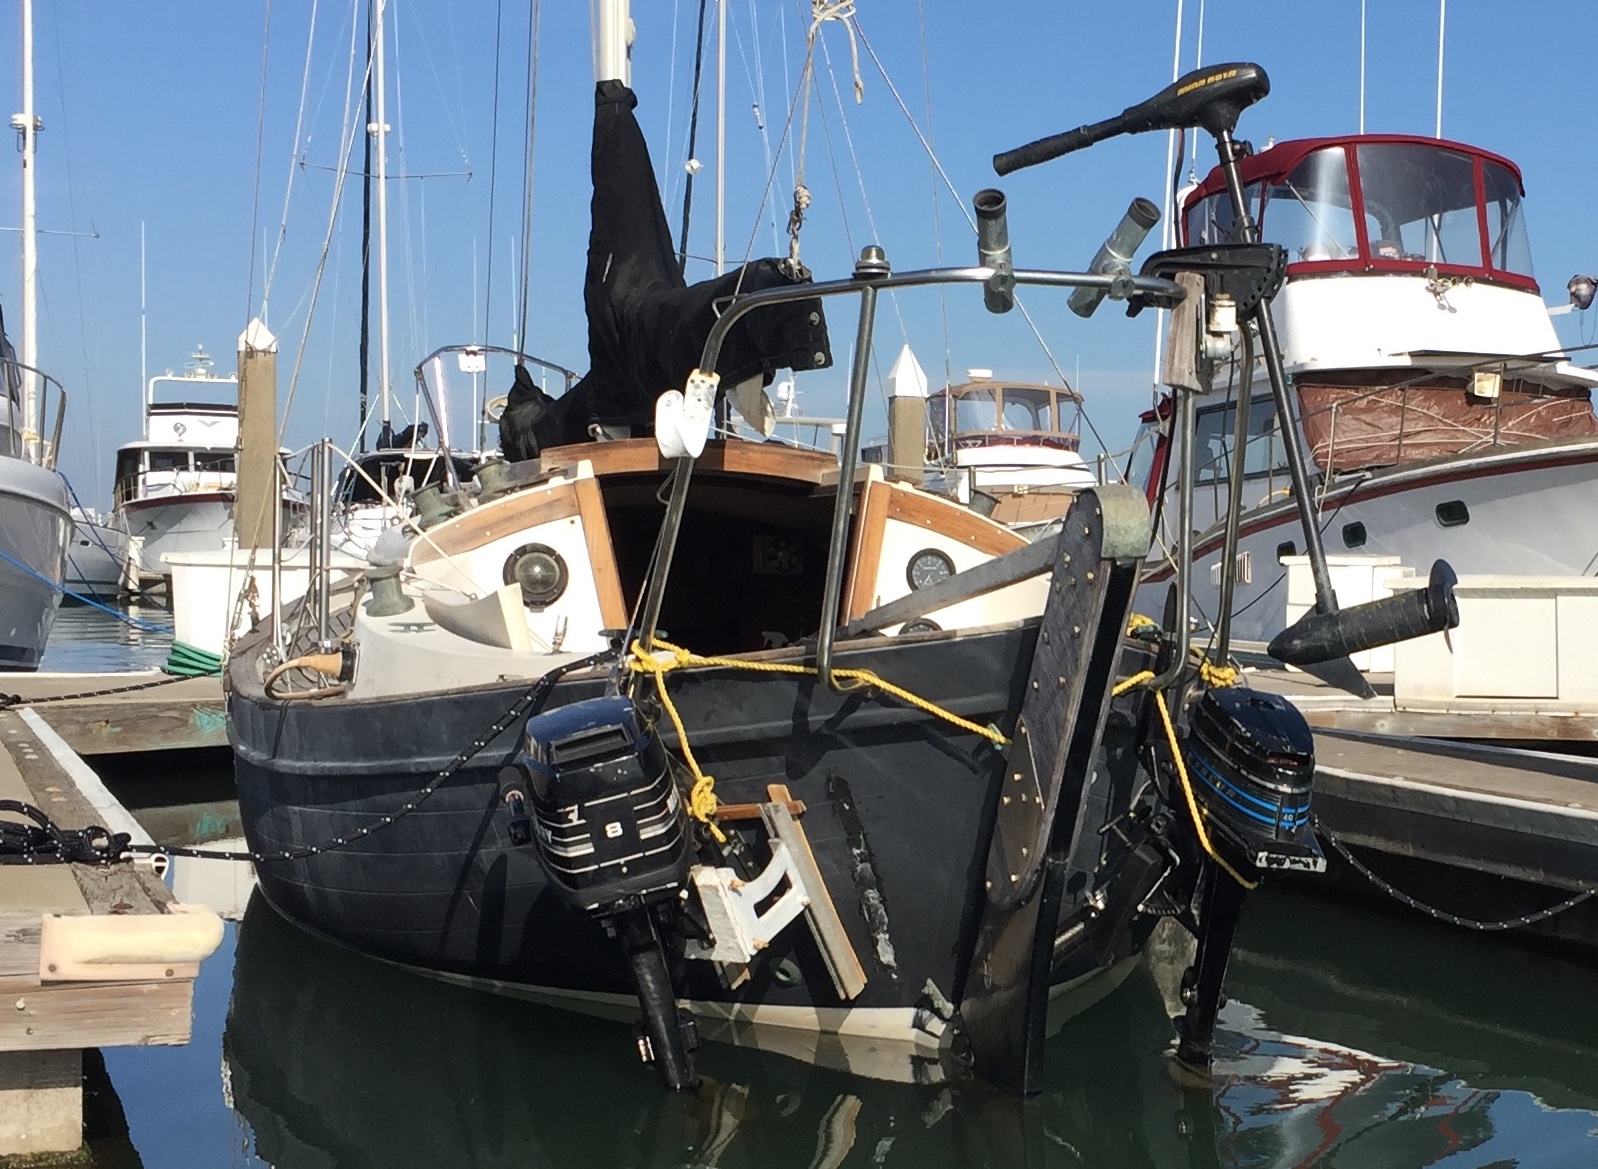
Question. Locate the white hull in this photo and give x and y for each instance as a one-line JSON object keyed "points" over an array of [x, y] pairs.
{"points": [[174, 524], [35, 519], [1530, 512], [96, 557]]}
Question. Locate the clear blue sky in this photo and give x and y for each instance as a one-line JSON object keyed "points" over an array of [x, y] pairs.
{"points": [[152, 111]]}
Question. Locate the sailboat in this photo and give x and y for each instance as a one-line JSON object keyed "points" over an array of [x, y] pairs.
{"points": [[35, 503], [882, 783]]}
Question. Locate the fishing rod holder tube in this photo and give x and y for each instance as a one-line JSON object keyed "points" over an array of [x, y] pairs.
{"points": [[993, 250], [1114, 257], [1154, 290], [1321, 637]]}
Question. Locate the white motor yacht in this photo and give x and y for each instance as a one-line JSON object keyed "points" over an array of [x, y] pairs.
{"points": [[1439, 414]]}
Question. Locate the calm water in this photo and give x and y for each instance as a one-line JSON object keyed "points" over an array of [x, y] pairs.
{"points": [[86, 640], [1354, 1039]]}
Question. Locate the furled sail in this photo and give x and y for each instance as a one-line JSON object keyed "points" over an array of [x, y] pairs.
{"points": [[646, 327]]}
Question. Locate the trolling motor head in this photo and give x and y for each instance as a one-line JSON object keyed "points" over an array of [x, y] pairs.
{"points": [[1211, 99]]}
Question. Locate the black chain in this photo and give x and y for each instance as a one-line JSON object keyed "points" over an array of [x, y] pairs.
{"points": [[1508, 923], [7, 701], [519, 709], [45, 843]]}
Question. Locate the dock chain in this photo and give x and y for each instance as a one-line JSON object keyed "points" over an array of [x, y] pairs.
{"points": [[519, 709], [1431, 911], [46, 843], [9, 701]]}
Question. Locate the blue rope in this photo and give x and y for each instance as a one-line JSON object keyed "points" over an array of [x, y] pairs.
{"points": [[79, 597]]}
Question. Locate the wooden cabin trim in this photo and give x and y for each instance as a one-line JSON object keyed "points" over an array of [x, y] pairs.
{"points": [[601, 553], [640, 456], [865, 555], [954, 521], [481, 525]]}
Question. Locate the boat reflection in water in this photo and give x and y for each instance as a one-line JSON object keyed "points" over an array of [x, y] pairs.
{"points": [[334, 1059]]}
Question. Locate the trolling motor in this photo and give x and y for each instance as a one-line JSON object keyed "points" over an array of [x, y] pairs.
{"points": [[1246, 760], [614, 839]]}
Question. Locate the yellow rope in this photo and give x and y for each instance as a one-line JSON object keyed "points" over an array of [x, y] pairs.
{"points": [[702, 796], [1192, 801]]}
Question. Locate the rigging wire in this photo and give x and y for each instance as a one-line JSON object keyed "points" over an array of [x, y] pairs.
{"points": [[693, 141], [346, 150], [493, 169], [534, 39], [294, 154], [260, 142]]}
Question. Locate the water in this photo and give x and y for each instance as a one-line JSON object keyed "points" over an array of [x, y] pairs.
{"points": [[1354, 1039], [87, 640]]}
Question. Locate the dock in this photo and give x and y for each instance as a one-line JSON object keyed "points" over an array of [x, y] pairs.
{"points": [[90, 956], [1477, 813], [126, 712]]}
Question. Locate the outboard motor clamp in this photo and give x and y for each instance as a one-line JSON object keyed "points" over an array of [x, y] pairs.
{"points": [[615, 842], [1251, 756]]}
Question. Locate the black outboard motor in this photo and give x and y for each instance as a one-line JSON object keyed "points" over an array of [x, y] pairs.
{"points": [[614, 839], [1251, 759]]}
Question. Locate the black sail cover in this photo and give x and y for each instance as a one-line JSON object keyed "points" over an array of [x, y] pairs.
{"points": [[646, 327]]}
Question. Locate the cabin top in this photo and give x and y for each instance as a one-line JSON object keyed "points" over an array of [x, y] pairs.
{"points": [[1377, 203]]}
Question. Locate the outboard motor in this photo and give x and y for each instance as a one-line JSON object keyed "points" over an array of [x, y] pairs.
{"points": [[1251, 759], [613, 835]]}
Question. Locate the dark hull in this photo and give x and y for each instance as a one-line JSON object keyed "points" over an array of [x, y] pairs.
{"points": [[896, 801]]}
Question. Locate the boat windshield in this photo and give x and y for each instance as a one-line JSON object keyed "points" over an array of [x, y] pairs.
{"points": [[1420, 203], [1027, 409], [1311, 211]]}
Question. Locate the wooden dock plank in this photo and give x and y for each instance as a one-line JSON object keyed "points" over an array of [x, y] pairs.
{"points": [[180, 713], [93, 1014]]}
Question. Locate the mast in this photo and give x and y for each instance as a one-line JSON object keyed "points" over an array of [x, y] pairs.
{"points": [[379, 127], [144, 336], [721, 136], [1442, 21], [29, 125], [366, 242]]}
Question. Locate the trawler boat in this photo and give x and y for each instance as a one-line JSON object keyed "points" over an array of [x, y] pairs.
{"points": [[35, 510], [176, 486], [1439, 414], [1009, 445], [882, 782]]}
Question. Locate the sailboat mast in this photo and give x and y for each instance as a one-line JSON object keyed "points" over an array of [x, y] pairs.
{"points": [[721, 136], [612, 38], [30, 245], [366, 244], [379, 127]]}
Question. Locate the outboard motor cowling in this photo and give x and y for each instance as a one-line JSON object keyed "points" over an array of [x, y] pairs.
{"points": [[1251, 756], [610, 825], [613, 836]]}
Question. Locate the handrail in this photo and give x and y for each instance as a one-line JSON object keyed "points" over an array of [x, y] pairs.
{"points": [[29, 443], [871, 277]]}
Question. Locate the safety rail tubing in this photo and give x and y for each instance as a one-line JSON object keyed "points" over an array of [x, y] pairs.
{"points": [[868, 284], [45, 453]]}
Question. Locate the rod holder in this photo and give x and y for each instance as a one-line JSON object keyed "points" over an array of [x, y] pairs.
{"points": [[993, 249], [1114, 257], [1320, 637]]}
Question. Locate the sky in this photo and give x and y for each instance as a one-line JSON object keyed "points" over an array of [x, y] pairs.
{"points": [[184, 119]]}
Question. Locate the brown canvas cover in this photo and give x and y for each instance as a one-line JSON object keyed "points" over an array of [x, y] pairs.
{"points": [[1349, 427]]}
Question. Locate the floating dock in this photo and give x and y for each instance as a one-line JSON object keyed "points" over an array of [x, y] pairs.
{"points": [[1480, 830], [90, 955], [126, 712]]}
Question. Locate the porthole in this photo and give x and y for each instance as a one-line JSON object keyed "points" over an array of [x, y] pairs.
{"points": [[1286, 548], [928, 567], [921, 625], [540, 571], [1354, 535], [1453, 513]]}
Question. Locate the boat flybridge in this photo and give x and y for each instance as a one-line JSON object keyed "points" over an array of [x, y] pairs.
{"points": [[175, 487], [1430, 395], [1008, 447], [900, 775]]}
